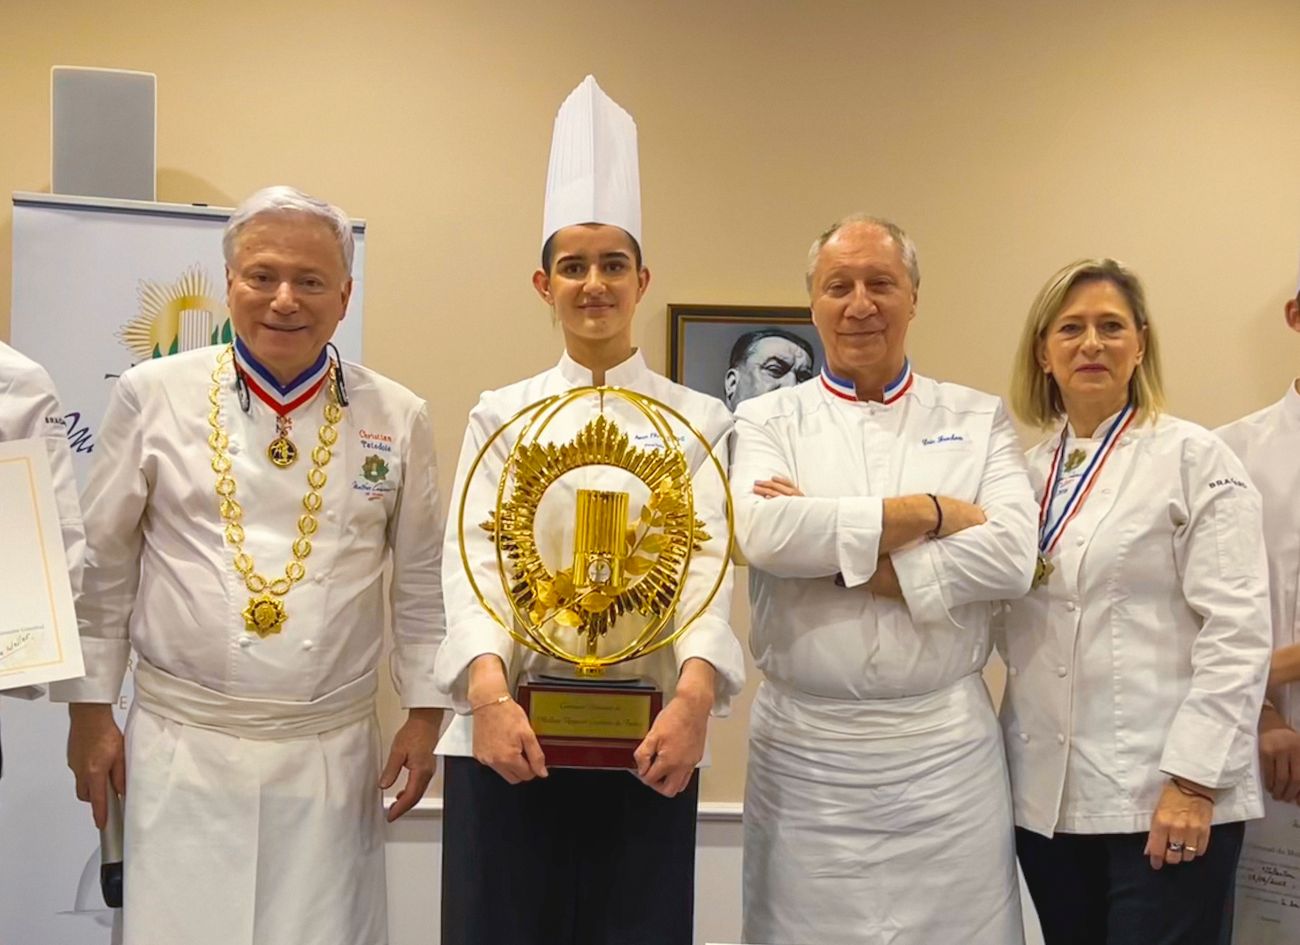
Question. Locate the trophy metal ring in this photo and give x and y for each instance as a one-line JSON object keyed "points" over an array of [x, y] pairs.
{"points": [[623, 563]]}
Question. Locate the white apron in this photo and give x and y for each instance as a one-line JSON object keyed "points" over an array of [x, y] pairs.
{"points": [[252, 821], [879, 822]]}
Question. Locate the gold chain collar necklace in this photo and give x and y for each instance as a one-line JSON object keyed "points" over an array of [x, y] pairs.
{"points": [[266, 613]]}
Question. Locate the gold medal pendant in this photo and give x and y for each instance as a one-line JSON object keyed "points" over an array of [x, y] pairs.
{"points": [[1042, 571], [282, 452], [264, 615]]}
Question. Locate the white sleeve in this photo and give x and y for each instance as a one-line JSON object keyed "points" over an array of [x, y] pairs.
{"points": [[415, 535], [798, 536], [1222, 565], [32, 411], [114, 501], [471, 631], [710, 638], [993, 561]]}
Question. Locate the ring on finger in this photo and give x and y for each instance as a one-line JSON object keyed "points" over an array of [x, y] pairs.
{"points": [[1187, 849], [1176, 846]]}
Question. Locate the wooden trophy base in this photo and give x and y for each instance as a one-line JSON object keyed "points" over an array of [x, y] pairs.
{"points": [[589, 723]]}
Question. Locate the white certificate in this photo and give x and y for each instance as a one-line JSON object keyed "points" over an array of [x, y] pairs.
{"points": [[1268, 879], [38, 627]]}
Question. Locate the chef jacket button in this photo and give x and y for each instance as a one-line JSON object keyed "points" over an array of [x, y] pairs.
{"points": [[1069, 605], [1107, 491], [1024, 736], [1060, 739], [307, 644], [1078, 542], [1062, 671], [1012, 670], [319, 578], [232, 448], [245, 642]]}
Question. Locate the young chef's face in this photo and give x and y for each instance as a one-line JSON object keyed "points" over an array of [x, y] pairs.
{"points": [[594, 284], [1094, 344], [287, 289], [862, 300]]}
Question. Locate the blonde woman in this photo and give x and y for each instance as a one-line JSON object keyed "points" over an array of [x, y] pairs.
{"points": [[1136, 663]]}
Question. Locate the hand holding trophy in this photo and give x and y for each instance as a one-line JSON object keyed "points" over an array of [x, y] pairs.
{"points": [[594, 577]]}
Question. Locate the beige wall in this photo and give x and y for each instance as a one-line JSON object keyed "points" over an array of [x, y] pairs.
{"points": [[1008, 137]]}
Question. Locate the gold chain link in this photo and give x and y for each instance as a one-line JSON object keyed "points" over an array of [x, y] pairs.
{"points": [[232, 513]]}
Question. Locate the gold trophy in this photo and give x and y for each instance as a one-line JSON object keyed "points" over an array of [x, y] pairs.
{"points": [[616, 597]]}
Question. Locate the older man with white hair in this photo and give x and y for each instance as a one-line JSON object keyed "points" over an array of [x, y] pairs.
{"points": [[244, 504], [882, 514]]}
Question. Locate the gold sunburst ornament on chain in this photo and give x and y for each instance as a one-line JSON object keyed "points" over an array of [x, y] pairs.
{"points": [[266, 612]]}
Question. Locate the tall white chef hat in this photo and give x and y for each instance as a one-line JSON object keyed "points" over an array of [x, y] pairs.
{"points": [[593, 175]]}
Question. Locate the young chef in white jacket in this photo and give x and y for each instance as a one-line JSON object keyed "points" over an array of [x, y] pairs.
{"points": [[1136, 663], [548, 856], [1268, 442]]}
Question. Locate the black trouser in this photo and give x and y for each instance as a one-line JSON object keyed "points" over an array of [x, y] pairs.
{"points": [[1100, 889], [578, 858]]}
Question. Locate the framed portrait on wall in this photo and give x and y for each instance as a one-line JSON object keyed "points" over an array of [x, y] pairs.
{"points": [[734, 352]]}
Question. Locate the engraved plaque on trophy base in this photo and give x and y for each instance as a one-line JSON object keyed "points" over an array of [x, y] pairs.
{"points": [[589, 723]]}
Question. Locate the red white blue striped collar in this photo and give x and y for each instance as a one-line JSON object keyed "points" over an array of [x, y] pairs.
{"points": [[846, 390], [282, 398]]}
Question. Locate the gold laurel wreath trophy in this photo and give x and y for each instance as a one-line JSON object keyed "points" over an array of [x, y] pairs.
{"points": [[625, 568]]}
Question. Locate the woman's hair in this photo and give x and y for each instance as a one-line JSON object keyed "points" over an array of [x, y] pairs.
{"points": [[1035, 397]]}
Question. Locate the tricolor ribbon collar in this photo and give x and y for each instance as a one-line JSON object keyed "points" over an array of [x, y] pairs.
{"points": [[846, 390], [282, 398]]}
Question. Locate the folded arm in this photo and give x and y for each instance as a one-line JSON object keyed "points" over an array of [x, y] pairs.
{"points": [[989, 562]]}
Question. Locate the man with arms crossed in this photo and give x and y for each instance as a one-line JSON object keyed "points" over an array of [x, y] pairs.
{"points": [[882, 514]]}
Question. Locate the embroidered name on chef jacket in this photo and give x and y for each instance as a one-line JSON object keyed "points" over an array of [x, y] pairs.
{"points": [[377, 477], [945, 439], [653, 441]]}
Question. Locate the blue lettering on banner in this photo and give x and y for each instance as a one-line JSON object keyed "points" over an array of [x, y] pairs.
{"points": [[79, 437]]}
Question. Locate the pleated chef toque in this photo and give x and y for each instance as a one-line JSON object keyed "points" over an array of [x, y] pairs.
{"points": [[593, 175]]}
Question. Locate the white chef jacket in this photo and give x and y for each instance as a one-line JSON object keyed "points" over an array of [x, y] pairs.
{"points": [[1144, 655], [874, 750], [159, 573], [846, 457], [471, 632], [243, 832], [1268, 444], [29, 408]]}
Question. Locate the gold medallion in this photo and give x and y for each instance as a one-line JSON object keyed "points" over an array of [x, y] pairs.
{"points": [[1042, 571], [1075, 460], [282, 452], [264, 615]]}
